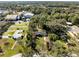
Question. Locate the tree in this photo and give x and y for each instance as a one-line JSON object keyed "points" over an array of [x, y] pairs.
{"points": [[53, 37], [54, 27], [75, 19], [57, 16], [59, 49]]}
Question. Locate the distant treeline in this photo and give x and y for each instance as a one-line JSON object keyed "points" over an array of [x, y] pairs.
{"points": [[45, 3]]}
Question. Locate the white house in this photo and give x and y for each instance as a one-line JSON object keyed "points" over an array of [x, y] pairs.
{"points": [[12, 17], [27, 14], [17, 34]]}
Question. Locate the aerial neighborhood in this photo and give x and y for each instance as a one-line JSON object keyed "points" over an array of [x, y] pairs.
{"points": [[39, 29]]}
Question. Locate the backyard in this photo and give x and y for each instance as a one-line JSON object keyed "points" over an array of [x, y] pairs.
{"points": [[7, 47]]}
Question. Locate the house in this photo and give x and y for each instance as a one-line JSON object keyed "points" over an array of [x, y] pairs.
{"points": [[27, 14], [12, 17], [17, 34]]}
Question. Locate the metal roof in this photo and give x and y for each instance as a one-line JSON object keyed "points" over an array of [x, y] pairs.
{"points": [[17, 34], [11, 17]]}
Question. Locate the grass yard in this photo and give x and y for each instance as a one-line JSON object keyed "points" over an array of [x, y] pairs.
{"points": [[22, 26], [7, 49], [8, 33]]}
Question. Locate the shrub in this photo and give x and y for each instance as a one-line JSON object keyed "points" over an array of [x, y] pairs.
{"points": [[53, 37]]}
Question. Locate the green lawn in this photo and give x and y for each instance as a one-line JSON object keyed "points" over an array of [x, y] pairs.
{"points": [[7, 49]]}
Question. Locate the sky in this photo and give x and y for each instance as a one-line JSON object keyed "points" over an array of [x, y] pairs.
{"points": [[39, 0]]}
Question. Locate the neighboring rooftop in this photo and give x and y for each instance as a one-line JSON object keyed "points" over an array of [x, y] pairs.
{"points": [[12, 17]]}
